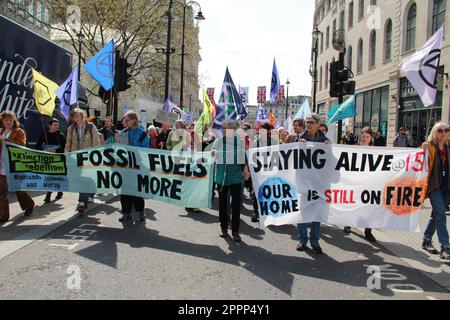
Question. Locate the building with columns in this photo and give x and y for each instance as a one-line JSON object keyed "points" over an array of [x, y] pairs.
{"points": [[379, 35]]}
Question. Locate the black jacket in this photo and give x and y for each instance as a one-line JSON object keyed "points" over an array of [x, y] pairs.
{"points": [[162, 137], [52, 139]]}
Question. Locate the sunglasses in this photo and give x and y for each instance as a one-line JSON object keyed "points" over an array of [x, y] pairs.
{"points": [[443, 130], [311, 122]]}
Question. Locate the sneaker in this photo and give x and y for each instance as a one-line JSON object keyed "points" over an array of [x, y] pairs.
{"points": [[224, 233], [428, 247], [81, 207], [347, 230], [302, 247], [126, 218], [236, 237], [445, 254], [47, 199], [317, 249], [28, 212], [142, 216], [59, 196], [369, 237]]}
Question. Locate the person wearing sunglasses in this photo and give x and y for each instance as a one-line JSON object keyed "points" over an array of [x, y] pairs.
{"points": [[438, 149], [312, 134]]}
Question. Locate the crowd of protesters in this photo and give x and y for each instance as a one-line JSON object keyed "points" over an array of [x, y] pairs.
{"points": [[230, 176]]}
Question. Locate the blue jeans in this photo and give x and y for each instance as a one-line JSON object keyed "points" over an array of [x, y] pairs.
{"points": [[438, 220], [84, 197], [314, 234]]}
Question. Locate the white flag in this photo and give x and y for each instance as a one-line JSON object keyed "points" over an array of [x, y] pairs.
{"points": [[261, 116], [288, 125], [304, 110], [421, 68]]}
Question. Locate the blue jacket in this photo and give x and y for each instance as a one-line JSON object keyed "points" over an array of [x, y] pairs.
{"points": [[137, 137], [229, 174], [321, 138]]}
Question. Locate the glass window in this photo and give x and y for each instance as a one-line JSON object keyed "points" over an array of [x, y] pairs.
{"points": [[367, 108], [439, 9], [321, 42], [328, 38], [31, 11], [375, 118], [384, 111], [361, 9], [321, 79], [360, 56], [350, 57], [411, 28], [334, 26], [350, 15], [388, 41], [39, 14], [359, 112], [327, 71], [373, 48], [21, 6], [342, 20]]}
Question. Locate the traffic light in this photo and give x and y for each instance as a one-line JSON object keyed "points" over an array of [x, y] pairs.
{"points": [[104, 95], [122, 76], [339, 81]]}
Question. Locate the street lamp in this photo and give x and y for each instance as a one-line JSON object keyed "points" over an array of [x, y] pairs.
{"points": [[169, 35], [198, 17], [287, 98], [80, 36], [316, 34]]}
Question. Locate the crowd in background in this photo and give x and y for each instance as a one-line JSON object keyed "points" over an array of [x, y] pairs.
{"points": [[230, 178]]}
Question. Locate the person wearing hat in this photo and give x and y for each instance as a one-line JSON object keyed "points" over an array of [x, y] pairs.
{"points": [[52, 141], [312, 134]]}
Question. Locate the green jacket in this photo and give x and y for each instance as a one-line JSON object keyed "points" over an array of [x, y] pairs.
{"points": [[226, 173]]}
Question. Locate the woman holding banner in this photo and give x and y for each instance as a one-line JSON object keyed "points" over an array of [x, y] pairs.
{"points": [[312, 134], [230, 161], [366, 140], [11, 132], [438, 188], [81, 135], [137, 137]]}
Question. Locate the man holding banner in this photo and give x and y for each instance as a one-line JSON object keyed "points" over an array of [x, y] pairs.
{"points": [[137, 137], [312, 134], [81, 135]]}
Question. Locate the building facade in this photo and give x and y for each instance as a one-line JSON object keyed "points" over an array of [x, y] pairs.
{"points": [[295, 103], [148, 92], [379, 35], [31, 14]]}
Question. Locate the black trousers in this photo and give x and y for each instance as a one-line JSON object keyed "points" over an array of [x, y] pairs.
{"points": [[129, 201], [235, 193]]}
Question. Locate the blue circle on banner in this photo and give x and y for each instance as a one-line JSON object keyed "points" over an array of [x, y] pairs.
{"points": [[277, 197]]}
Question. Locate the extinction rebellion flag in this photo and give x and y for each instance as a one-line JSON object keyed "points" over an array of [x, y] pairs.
{"points": [[421, 68]]}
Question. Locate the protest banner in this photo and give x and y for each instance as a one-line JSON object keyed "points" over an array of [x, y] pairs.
{"points": [[356, 186], [172, 177], [166, 117]]}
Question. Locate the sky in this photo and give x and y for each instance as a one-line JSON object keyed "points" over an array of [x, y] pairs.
{"points": [[246, 35]]}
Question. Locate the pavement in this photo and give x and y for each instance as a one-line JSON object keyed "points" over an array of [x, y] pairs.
{"points": [[408, 246], [177, 255]]}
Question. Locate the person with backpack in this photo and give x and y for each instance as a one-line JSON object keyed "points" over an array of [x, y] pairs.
{"points": [[81, 135], [137, 137]]}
